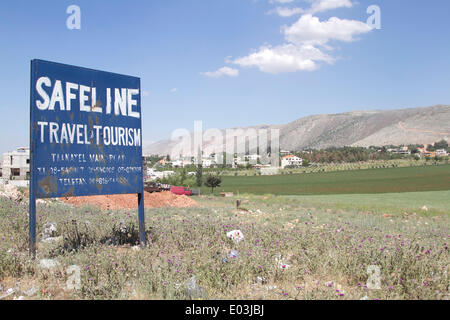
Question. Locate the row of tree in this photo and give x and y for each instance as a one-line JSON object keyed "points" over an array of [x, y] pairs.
{"points": [[182, 179]]}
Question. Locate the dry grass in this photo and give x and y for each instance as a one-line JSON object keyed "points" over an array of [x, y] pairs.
{"points": [[326, 253]]}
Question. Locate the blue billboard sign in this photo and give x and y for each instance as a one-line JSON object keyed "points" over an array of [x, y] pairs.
{"points": [[85, 132]]}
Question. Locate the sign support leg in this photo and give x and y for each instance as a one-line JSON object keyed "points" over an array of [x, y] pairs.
{"points": [[32, 224], [142, 236]]}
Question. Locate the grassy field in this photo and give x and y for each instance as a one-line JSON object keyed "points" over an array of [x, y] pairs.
{"points": [[292, 249], [393, 180]]}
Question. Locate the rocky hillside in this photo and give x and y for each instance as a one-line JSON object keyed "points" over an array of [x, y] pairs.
{"points": [[360, 128]]}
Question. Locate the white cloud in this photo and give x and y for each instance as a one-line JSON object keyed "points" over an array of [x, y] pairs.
{"points": [[316, 6], [281, 1], [287, 12], [285, 58], [306, 40], [325, 5], [225, 71], [310, 30], [173, 90]]}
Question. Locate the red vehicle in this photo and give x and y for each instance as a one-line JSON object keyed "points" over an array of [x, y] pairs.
{"points": [[181, 191]]}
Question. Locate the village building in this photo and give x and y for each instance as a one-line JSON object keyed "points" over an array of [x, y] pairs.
{"points": [[291, 160], [15, 165]]}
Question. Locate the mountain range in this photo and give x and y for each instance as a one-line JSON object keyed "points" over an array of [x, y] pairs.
{"points": [[357, 128]]}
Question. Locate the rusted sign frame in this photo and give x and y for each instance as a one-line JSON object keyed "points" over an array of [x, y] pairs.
{"points": [[35, 193]]}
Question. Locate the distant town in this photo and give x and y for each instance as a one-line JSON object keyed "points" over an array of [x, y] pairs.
{"points": [[160, 167], [15, 165]]}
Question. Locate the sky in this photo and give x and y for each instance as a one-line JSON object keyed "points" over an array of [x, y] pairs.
{"points": [[233, 63]]}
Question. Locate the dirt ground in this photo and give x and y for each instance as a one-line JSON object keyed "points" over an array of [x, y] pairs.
{"points": [[130, 201]]}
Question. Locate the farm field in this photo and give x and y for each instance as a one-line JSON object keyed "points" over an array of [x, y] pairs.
{"points": [[392, 180], [292, 249]]}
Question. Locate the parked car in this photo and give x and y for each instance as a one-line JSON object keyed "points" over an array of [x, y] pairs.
{"points": [[181, 191]]}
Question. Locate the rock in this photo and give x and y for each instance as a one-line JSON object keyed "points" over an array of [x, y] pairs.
{"points": [[425, 208], [48, 263], [364, 298], [136, 248], [10, 191], [19, 298], [236, 236], [50, 231]]}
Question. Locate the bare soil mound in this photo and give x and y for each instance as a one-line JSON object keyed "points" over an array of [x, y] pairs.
{"points": [[130, 201]]}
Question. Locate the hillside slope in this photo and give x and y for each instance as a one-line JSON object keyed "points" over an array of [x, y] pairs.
{"points": [[360, 128]]}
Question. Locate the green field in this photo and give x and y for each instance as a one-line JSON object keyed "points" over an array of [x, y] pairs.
{"points": [[394, 180], [436, 202]]}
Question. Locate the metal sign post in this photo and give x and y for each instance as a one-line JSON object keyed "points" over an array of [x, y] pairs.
{"points": [[85, 136]]}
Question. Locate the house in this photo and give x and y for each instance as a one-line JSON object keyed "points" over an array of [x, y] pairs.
{"points": [[207, 163], [154, 175], [430, 154], [163, 162], [291, 160], [177, 164], [16, 165], [441, 153], [404, 151]]}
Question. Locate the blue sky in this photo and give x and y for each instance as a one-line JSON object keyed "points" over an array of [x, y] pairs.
{"points": [[233, 62]]}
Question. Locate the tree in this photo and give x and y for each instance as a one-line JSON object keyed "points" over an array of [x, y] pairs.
{"points": [[443, 144], [306, 162], [213, 182], [199, 175], [180, 179]]}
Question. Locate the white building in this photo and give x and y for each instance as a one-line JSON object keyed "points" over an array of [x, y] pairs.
{"points": [[207, 163], [153, 175], [16, 165], [291, 160], [441, 153]]}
